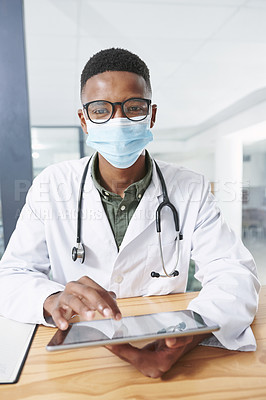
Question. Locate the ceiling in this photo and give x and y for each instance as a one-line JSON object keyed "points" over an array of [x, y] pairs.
{"points": [[204, 55]]}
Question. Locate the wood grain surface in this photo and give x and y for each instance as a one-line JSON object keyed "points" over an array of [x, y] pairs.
{"points": [[95, 373]]}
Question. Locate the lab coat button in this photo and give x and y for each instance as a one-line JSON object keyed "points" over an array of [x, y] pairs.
{"points": [[123, 208], [119, 279]]}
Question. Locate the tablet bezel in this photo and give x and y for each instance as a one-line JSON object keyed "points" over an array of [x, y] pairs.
{"points": [[60, 335]]}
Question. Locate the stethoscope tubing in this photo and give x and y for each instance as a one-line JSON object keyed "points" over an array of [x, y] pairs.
{"points": [[78, 251]]}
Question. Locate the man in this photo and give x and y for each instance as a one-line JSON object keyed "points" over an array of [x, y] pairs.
{"points": [[40, 281]]}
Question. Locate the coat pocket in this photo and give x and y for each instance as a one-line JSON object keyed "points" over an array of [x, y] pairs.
{"points": [[162, 285]]}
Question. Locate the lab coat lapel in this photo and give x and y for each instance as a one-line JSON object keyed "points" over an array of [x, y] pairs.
{"points": [[146, 210], [95, 220]]}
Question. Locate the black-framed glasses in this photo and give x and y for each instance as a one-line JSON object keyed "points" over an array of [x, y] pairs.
{"points": [[101, 111]]}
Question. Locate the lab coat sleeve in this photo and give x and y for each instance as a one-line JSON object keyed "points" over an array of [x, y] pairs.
{"points": [[227, 272], [25, 267]]}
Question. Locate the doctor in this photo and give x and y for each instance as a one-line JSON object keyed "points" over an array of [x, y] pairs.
{"points": [[42, 282]]}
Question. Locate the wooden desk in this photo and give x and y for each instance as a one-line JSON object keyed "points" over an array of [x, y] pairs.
{"points": [[204, 373]]}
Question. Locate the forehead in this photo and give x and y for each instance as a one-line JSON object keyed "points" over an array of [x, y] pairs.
{"points": [[114, 86]]}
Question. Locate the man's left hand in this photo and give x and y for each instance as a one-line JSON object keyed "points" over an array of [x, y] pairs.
{"points": [[156, 358]]}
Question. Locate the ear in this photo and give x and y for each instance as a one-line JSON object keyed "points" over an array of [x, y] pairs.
{"points": [[82, 121], [153, 115]]}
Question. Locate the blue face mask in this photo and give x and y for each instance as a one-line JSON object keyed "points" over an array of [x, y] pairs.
{"points": [[120, 141]]}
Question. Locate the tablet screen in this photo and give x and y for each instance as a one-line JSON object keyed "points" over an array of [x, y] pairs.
{"points": [[129, 329]]}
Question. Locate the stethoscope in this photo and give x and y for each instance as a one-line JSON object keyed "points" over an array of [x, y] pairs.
{"points": [[78, 251]]}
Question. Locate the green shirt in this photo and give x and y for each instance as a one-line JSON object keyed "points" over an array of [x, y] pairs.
{"points": [[119, 210]]}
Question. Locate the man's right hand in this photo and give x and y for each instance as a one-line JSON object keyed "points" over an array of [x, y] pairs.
{"points": [[82, 297]]}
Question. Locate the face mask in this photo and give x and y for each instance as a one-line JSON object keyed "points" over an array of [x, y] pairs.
{"points": [[120, 141]]}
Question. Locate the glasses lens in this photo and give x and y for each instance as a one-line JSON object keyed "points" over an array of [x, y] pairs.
{"points": [[99, 111], [136, 109]]}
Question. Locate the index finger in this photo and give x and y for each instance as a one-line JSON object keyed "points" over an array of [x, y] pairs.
{"points": [[94, 295]]}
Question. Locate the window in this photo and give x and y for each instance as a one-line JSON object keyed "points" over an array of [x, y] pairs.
{"points": [[54, 144], [254, 203]]}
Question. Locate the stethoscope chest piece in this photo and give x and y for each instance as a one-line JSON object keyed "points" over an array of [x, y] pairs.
{"points": [[78, 252]]}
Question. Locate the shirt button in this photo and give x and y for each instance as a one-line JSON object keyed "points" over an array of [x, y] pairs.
{"points": [[106, 193], [123, 208], [139, 196], [119, 279]]}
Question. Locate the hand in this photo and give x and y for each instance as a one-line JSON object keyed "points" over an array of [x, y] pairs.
{"points": [[82, 297], [156, 358]]}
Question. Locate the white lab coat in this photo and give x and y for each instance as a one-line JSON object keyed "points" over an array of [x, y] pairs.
{"points": [[38, 261]]}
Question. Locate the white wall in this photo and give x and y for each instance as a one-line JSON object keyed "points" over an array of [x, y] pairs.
{"points": [[202, 164]]}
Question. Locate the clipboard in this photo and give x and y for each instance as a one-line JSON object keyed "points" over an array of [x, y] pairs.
{"points": [[15, 342]]}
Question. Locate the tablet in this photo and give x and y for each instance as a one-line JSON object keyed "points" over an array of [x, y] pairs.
{"points": [[130, 329]]}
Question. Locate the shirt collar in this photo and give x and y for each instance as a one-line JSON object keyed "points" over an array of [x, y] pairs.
{"points": [[136, 189]]}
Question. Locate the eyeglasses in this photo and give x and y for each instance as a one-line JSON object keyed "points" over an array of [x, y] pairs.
{"points": [[101, 111]]}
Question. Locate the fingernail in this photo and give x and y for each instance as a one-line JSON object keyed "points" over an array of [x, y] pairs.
{"points": [[118, 317], [90, 314], [171, 341], [63, 325], [107, 312]]}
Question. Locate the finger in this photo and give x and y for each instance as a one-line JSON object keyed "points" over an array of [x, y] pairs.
{"points": [[126, 352], [85, 280], [99, 300], [155, 346], [59, 319], [67, 313], [149, 363], [91, 283], [112, 294], [112, 304], [70, 305], [174, 343], [74, 305]]}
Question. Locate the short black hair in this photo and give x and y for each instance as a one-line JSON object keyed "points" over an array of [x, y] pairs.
{"points": [[114, 59]]}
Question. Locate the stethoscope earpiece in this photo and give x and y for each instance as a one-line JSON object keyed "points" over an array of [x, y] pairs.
{"points": [[157, 275]]}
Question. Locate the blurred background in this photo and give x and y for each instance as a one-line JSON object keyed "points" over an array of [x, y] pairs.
{"points": [[207, 60]]}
